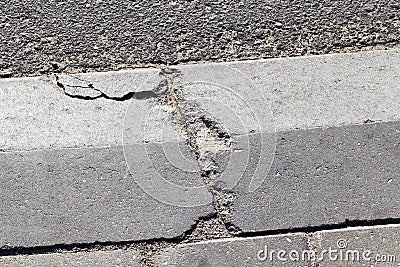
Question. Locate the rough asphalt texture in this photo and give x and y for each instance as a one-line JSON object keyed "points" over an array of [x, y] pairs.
{"points": [[73, 36]]}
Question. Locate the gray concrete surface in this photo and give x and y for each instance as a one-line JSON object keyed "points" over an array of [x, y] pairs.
{"points": [[233, 252], [116, 258], [362, 246], [75, 170], [331, 90], [113, 84], [39, 36], [87, 195], [302, 93], [64, 165], [321, 176], [328, 161], [36, 114], [293, 249]]}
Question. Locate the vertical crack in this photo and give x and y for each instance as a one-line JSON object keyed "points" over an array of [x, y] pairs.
{"points": [[313, 245], [208, 141]]}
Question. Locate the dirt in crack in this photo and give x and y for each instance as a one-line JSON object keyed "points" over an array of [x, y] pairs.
{"points": [[209, 142], [147, 249], [99, 94]]}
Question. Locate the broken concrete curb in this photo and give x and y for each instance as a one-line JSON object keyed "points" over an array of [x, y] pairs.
{"points": [[92, 163]]}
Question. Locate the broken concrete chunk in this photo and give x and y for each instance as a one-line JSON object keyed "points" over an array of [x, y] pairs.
{"points": [[113, 84]]}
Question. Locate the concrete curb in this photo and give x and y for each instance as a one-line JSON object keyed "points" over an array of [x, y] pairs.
{"points": [[362, 246], [254, 147]]}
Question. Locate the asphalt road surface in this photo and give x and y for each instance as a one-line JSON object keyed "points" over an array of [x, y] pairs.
{"points": [[43, 36]]}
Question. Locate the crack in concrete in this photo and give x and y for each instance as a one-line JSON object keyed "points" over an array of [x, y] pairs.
{"points": [[208, 141], [152, 247], [147, 248], [156, 92], [205, 137], [313, 245]]}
